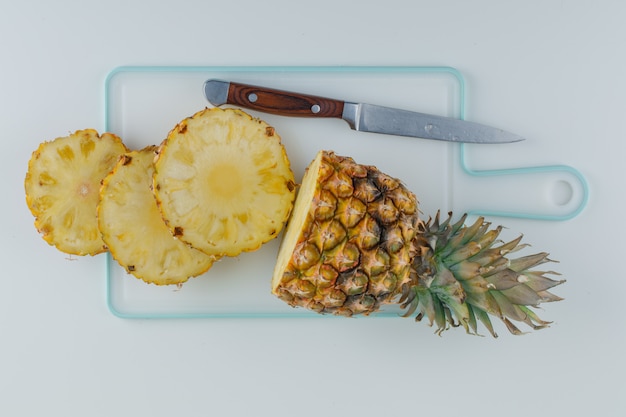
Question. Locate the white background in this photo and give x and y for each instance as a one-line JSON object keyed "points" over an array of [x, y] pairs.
{"points": [[552, 71]]}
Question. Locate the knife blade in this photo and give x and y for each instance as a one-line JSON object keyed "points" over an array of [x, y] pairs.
{"points": [[359, 116]]}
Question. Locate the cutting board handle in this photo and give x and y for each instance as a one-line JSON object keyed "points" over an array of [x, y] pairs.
{"points": [[552, 192]]}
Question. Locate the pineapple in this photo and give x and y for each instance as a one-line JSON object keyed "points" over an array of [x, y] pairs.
{"points": [[355, 242], [223, 182], [133, 230], [62, 185]]}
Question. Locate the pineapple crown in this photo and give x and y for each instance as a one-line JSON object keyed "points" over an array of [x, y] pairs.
{"points": [[464, 274]]}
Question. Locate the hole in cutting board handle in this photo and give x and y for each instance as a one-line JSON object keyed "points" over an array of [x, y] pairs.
{"points": [[562, 192]]}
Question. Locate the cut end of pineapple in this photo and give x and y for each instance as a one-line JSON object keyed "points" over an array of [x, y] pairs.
{"points": [[132, 227], [62, 186], [223, 182], [298, 218]]}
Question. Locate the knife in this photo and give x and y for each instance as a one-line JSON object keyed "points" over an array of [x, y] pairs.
{"points": [[360, 116]]}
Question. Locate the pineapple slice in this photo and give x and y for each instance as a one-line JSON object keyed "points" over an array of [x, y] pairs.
{"points": [[223, 182], [62, 184], [132, 227]]}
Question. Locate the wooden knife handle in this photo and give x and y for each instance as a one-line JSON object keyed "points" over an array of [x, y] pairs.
{"points": [[283, 103]]}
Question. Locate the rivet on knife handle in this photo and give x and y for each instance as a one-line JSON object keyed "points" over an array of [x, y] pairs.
{"points": [[277, 102]]}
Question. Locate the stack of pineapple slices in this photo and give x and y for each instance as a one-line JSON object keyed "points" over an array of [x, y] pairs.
{"points": [[133, 230], [218, 185], [221, 184]]}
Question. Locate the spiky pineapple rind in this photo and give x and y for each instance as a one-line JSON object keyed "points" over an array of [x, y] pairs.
{"points": [[347, 248]]}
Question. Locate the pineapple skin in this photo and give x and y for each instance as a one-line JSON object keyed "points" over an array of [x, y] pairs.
{"points": [[132, 227], [355, 242], [223, 182], [348, 247], [62, 185]]}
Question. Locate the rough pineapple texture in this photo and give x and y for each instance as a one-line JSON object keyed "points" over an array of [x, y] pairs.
{"points": [[355, 242], [223, 182], [132, 227], [348, 247], [62, 186]]}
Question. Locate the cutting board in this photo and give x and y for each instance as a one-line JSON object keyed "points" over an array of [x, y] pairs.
{"points": [[142, 104]]}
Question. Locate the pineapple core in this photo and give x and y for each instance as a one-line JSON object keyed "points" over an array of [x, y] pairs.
{"points": [[225, 181]]}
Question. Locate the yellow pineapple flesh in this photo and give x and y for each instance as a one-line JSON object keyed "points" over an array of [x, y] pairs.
{"points": [[132, 227], [223, 182], [62, 185]]}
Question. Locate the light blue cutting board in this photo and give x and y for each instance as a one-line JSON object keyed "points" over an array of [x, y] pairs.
{"points": [[144, 103]]}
